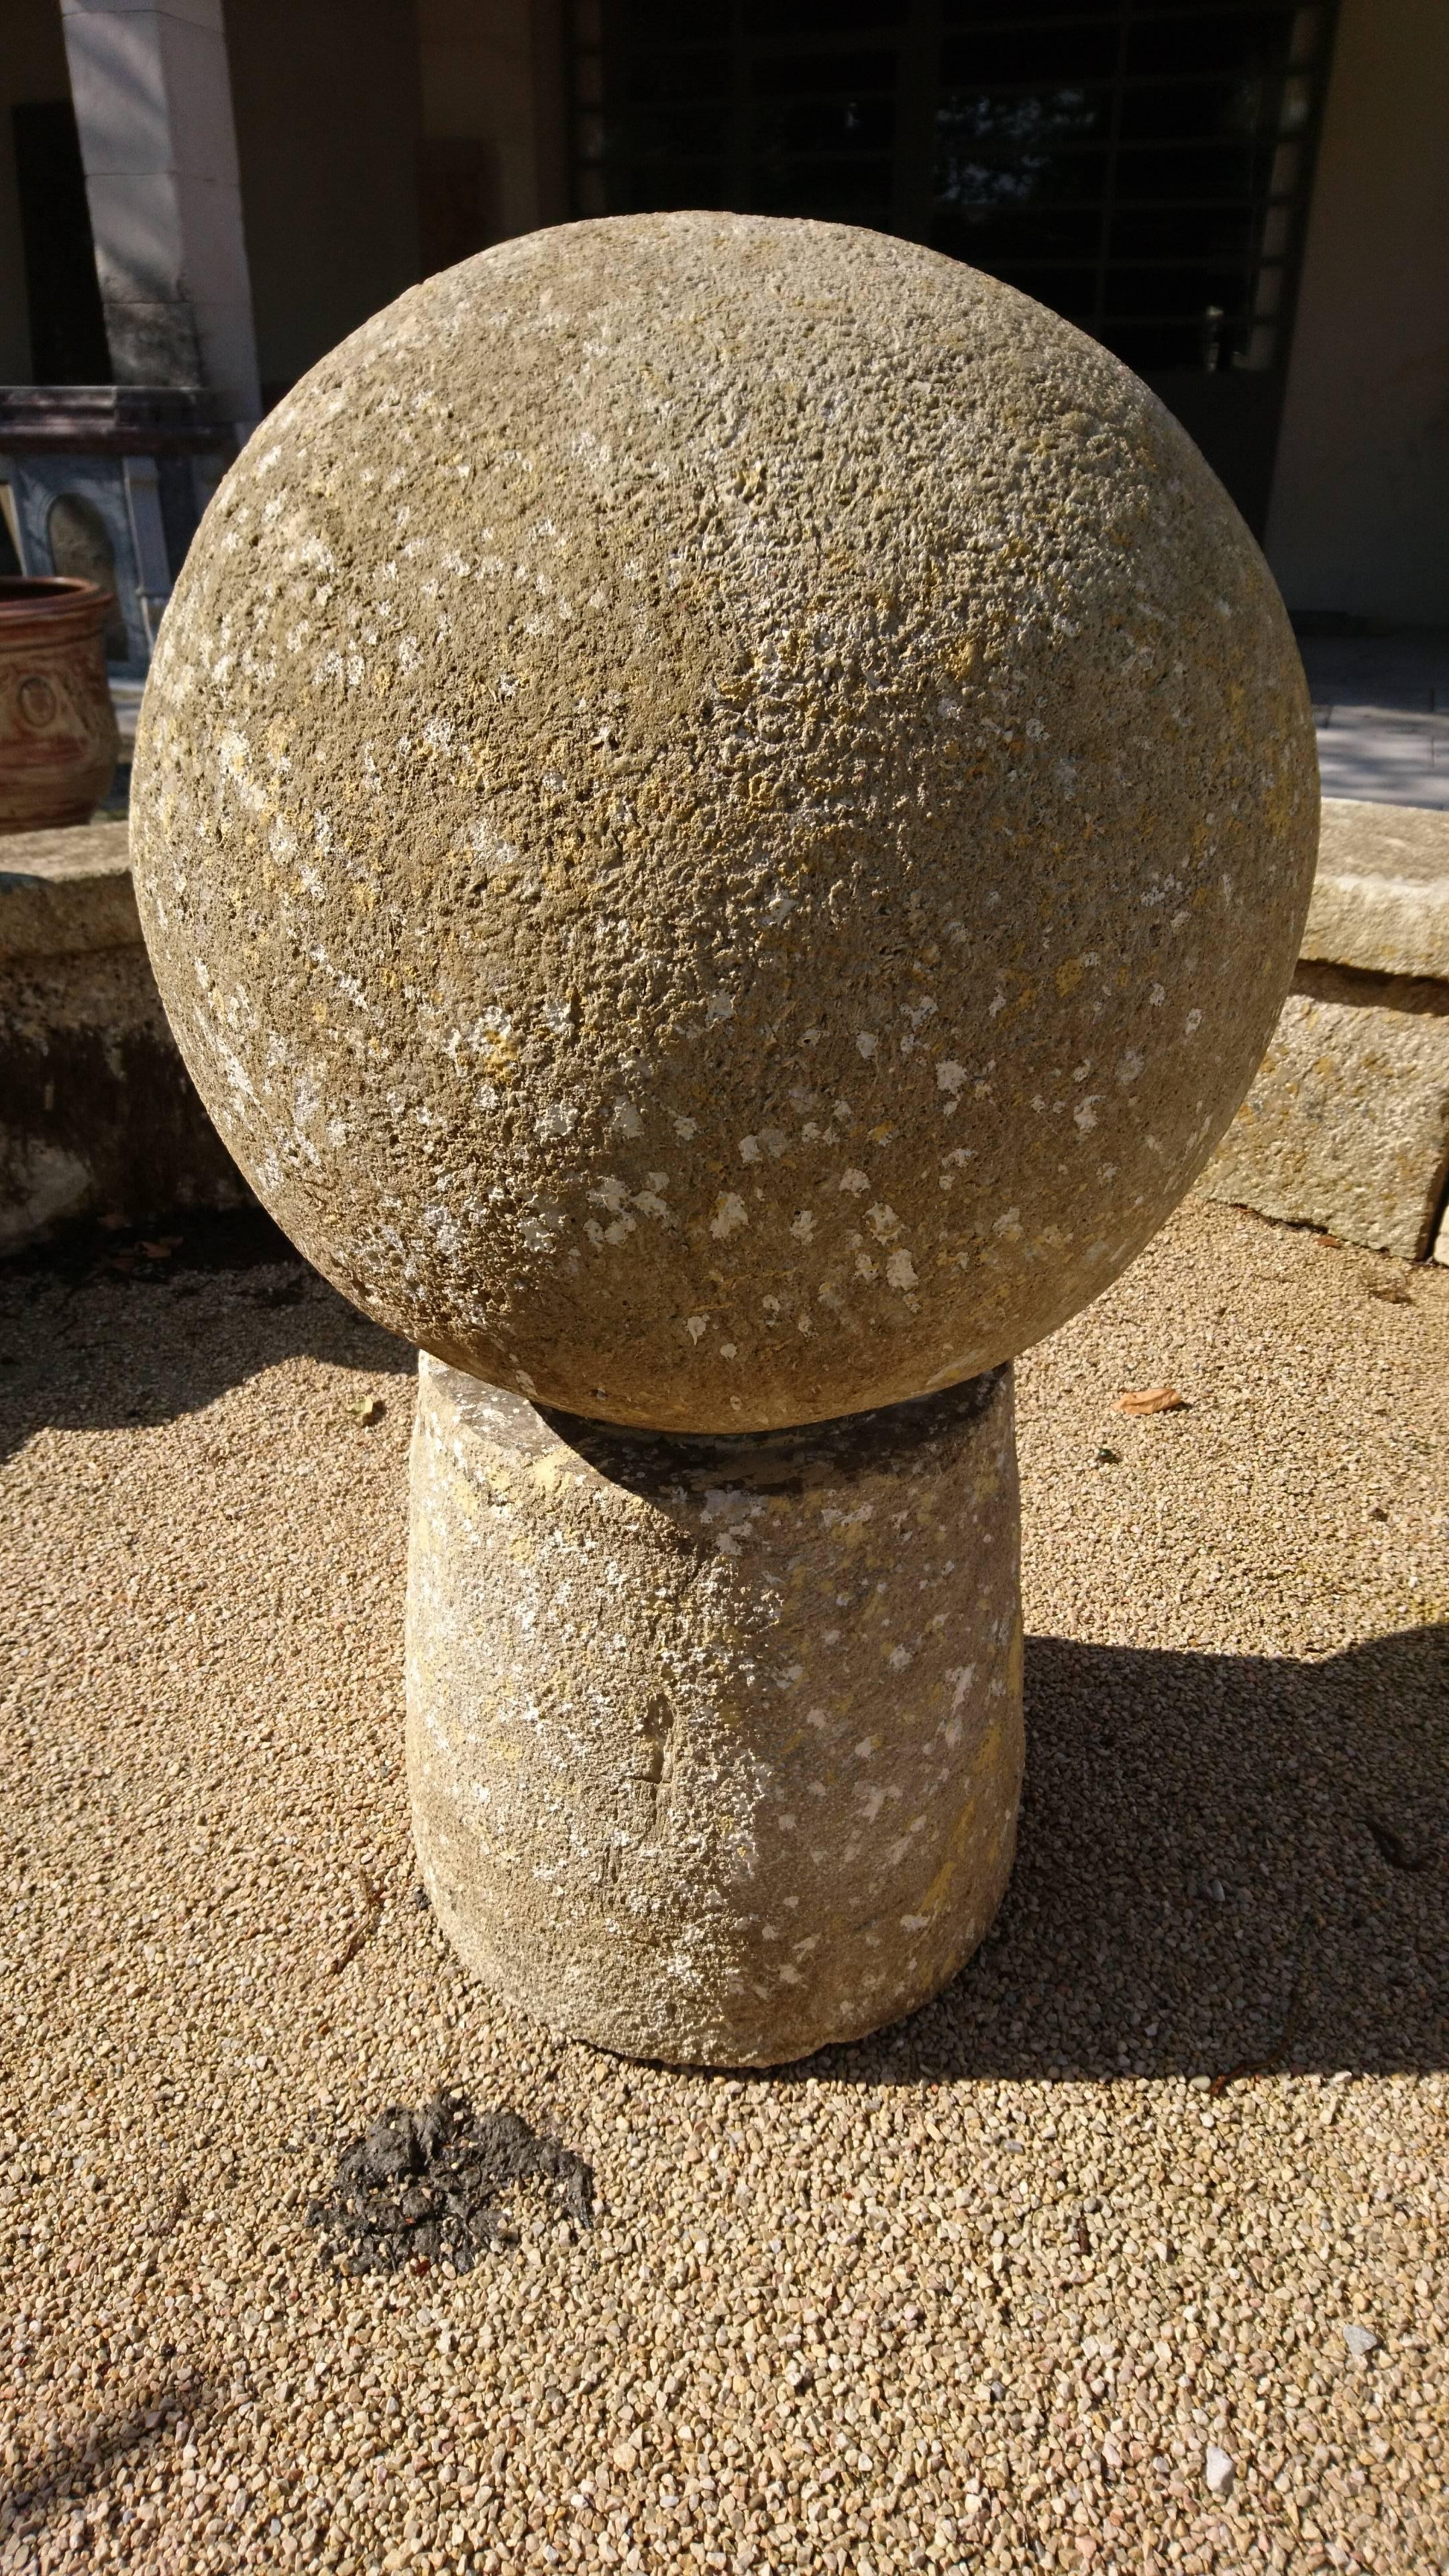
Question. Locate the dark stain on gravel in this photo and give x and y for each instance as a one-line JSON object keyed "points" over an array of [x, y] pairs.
{"points": [[424, 2186]]}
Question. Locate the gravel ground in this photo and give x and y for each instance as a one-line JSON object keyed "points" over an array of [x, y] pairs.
{"points": [[980, 2293]]}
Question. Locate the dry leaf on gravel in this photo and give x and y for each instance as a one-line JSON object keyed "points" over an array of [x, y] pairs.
{"points": [[362, 1932], [1152, 1399], [1398, 1853]]}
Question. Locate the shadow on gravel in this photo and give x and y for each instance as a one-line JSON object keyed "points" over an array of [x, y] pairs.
{"points": [[1227, 1865], [105, 1330], [55, 2478]]}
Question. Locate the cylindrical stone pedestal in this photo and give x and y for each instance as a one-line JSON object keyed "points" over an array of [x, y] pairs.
{"points": [[714, 1744]]}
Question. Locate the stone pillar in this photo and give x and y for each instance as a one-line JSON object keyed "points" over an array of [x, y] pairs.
{"points": [[714, 1743], [153, 103]]}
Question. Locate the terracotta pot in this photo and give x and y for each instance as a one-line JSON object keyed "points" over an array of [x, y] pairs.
{"points": [[58, 740]]}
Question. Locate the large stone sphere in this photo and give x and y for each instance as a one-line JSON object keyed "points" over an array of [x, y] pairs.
{"points": [[723, 813]]}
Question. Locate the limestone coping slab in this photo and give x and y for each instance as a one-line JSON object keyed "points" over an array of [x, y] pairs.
{"points": [[64, 893], [1381, 895]]}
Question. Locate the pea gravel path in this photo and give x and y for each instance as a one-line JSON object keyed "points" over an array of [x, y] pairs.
{"points": [[980, 2293]]}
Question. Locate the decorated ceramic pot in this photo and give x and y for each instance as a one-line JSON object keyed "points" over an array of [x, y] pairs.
{"points": [[58, 739]]}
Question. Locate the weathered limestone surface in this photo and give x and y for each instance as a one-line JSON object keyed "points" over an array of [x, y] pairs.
{"points": [[1381, 895], [714, 1745], [724, 811], [1347, 1122], [65, 892], [98, 1115]]}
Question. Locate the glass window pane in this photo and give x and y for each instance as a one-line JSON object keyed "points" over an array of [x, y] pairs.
{"points": [[1210, 40]]}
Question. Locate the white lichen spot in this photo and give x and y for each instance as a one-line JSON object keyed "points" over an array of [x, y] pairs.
{"points": [[1084, 1116], [1008, 1227], [1129, 1067], [803, 1226], [728, 1351], [949, 1078], [685, 1128], [486, 846], [749, 1149], [865, 1043], [853, 1181], [696, 1326], [626, 1119], [901, 1270], [729, 1215], [559, 1119], [883, 1221], [1193, 1022], [718, 1006], [1157, 997]]}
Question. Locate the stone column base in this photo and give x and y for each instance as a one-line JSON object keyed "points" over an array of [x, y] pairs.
{"points": [[714, 1744]]}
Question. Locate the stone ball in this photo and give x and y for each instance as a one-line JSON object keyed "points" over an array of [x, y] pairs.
{"points": [[723, 813]]}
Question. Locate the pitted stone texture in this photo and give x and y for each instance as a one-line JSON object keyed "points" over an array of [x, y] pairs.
{"points": [[724, 811], [714, 1744]]}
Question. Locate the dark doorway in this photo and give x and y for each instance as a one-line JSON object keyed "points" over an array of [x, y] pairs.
{"points": [[1141, 166], [67, 326], [457, 199]]}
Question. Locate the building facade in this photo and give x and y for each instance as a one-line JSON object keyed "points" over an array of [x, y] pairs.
{"points": [[1249, 202]]}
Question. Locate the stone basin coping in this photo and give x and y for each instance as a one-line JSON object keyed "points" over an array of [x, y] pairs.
{"points": [[1380, 901], [1381, 895], [65, 893]]}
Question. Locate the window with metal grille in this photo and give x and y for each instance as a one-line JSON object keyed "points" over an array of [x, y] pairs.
{"points": [[1142, 166]]}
